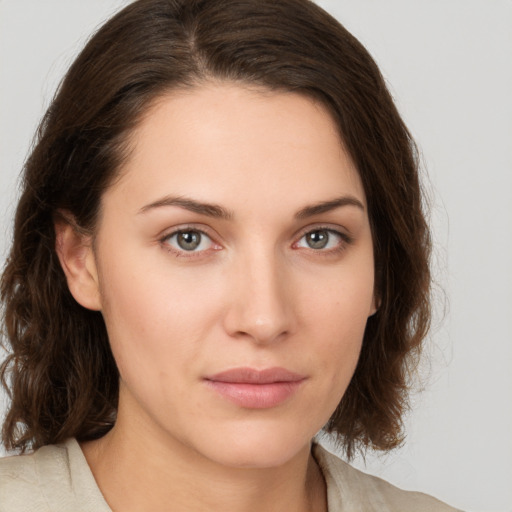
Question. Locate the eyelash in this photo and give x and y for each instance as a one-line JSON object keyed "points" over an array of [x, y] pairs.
{"points": [[345, 240], [181, 253]]}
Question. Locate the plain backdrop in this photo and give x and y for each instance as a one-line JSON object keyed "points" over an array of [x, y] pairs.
{"points": [[449, 67]]}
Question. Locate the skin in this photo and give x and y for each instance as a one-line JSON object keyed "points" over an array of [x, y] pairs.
{"points": [[253, 294]]}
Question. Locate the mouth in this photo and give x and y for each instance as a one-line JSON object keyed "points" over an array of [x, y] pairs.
{"points": [[256, 389]]}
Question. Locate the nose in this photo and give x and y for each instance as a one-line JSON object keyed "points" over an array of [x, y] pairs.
{"points": [[261, 300]]}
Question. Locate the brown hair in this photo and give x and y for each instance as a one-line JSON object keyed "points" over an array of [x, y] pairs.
{"points": [[60, 372]]}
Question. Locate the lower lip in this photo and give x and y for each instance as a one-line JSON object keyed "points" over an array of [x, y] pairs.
{"points": [[256, 396]]}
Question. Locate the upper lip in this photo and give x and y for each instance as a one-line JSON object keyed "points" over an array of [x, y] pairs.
{"points": [[254, 376]]}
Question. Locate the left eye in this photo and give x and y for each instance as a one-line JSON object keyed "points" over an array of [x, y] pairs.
{"points": [[190, 240], [320, 239]]}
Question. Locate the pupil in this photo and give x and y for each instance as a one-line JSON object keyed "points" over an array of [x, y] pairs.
{"points": [[317, 239], [189, 240]]}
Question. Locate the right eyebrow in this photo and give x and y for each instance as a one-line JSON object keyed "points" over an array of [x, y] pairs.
{"points": [[208, 209]]}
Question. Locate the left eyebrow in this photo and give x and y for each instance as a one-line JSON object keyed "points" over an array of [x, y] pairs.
{"points": [[327, 206]]}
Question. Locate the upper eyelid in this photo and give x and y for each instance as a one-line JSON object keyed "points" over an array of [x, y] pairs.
{"points": [[167, 233], [343, 232]]}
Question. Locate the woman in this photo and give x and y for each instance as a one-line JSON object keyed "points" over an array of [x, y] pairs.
{"points": [[219, 250]]}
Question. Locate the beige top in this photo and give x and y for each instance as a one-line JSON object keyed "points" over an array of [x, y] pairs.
{"points": [[56, 478]]}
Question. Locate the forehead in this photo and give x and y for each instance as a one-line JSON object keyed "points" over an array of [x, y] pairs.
{"points": [[227, 142]]}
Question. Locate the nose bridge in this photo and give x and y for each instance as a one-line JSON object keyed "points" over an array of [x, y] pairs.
{"points": [[260, 307]]}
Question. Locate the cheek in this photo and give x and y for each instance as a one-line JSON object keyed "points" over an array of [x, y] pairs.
{"points": [[337, 318], [155, 318], [340, 301]]}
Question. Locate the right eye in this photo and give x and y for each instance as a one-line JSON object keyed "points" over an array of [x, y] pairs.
{"points": [[188, 240]]}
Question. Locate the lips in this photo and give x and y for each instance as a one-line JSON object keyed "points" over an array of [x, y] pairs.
{"points": [[256, 389]]}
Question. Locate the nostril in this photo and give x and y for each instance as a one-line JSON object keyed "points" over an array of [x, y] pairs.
{"points": [[245, 322]]}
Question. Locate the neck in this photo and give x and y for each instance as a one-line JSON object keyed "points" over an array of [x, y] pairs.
{"points": [[138, 472]]}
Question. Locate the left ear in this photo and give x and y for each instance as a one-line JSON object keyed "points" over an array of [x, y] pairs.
{"points": [[76, 256]]}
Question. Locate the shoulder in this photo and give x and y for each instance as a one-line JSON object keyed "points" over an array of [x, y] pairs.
{"points": [[54, 478], [350, 489], [22, 482]]}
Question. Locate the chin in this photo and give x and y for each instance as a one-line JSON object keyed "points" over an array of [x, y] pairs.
{"points": [[256, 447]]}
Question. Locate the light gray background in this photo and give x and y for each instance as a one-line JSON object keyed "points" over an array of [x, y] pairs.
{"points": [[449, 66]]}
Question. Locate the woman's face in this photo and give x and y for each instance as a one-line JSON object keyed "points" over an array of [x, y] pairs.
{"points": [[235, 268]]}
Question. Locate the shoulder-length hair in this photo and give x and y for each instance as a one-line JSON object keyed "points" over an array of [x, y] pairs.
{"points": [[60, 372]]}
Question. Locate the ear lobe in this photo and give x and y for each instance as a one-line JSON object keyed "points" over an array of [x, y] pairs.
{"points": [[375, 305], [76, 256]]}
